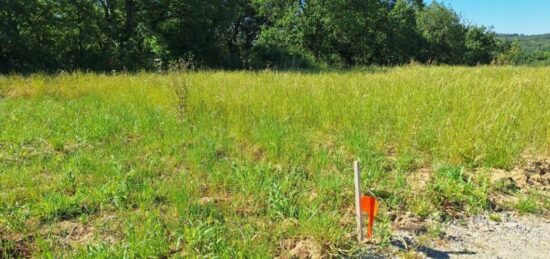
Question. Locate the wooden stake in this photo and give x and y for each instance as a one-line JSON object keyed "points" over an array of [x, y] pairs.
{"points": [[358, 213]]}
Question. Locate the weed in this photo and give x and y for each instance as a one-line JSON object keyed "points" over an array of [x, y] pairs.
{"points": [[452, 189], [435, 230], [495, 217], [526, 205], [281, 204]]}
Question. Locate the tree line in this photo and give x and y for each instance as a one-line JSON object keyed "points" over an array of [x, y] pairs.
{"points": [[104, 35], [535, 49]]}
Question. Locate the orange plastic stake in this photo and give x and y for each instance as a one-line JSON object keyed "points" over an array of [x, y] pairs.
{"points": [[369, 205]]}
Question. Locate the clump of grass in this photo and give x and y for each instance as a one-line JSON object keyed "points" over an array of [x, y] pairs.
{"points": [[526, 205], [435, 230], [495, 217], [452, 190]]}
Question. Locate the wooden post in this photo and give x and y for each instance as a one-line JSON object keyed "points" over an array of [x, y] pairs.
{"points": [[358, 213]]}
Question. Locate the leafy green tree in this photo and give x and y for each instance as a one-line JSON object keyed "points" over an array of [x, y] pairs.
{"points": [[280, 42], [193, 28], [350, 32], [403, 41], [414, 3], [511, 54], [243, 33], [102, 35], [48, 35], [213, 33], [25, 35], [444, 34], [419, 4], [481, 46]]}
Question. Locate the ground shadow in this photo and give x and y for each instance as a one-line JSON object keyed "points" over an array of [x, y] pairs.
{"points": [[406, 244]]}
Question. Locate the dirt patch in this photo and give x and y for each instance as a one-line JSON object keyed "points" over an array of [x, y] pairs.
{"points": [[512, 237], [216, 199], [15, 245], [408, 222], [537, 173], [301, 248], [71, 233], [534, 174], [258, 154], [420, 178]]}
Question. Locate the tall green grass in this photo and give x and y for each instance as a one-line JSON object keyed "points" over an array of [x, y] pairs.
{"points": [[237, 164]]}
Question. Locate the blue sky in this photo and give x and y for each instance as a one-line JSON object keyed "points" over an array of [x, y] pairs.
{"points": [[506, 16]]}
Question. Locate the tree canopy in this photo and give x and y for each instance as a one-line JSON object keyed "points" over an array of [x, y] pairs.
{"points": [[104, 35]]}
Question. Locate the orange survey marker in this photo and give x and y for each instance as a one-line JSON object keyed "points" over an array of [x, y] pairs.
{"points": [[363, 205], [369, 205]]}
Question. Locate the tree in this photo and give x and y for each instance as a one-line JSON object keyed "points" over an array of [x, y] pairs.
{"points": [[350, 32], [418, 4], [26, 34], [444, 34], [281, 40], [403, 41], [481, 46], [102, 35], [510, 54]]}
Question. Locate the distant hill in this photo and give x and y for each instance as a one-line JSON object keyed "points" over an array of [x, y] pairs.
{"points": [[530, 43]]}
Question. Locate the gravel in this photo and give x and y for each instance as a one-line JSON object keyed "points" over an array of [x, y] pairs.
{"points": [[480, 237]]}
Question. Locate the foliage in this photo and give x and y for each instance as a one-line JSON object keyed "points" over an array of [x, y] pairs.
{"points": [[349, 32], [404, 42], [481, 46], [452, 189], [133, 35], [530, 43], [530, 49], [444, 34], [512, 55]]}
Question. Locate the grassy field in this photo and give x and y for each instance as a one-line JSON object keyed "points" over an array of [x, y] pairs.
{"points": [[247, 164]]}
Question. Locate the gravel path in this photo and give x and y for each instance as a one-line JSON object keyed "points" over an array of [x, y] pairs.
{"points": [[480, 237], [514, 237]]}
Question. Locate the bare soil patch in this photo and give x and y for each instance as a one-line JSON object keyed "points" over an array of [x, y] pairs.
{"points": [[301, 248], [72, 233], [420, 178], [15, 245], [534, 174]]}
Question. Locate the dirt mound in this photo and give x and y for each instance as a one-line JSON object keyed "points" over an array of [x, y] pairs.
{"points": [[537, 173], [534, 174], [304, 248]]}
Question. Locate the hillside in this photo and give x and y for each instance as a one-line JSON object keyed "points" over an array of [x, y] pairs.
{"points": [[530, 43]]}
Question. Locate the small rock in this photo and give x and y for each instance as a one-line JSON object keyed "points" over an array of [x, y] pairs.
{"points": [[510, 224]]}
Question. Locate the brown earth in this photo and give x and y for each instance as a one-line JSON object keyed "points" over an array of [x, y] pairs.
{"points": [[301, 248], [534, 174]]}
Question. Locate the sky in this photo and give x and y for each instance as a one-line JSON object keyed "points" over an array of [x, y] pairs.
{"points": [[506, 16]]}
